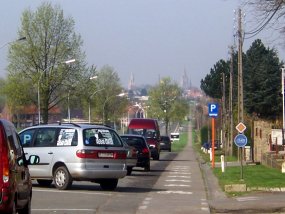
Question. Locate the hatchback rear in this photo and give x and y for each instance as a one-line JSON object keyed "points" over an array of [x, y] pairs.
{"points": [[15, 181], [144, 153], [75, 152], [165, 143]]}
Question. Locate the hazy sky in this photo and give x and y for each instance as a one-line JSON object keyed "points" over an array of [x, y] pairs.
{"points": [[149, 38]]}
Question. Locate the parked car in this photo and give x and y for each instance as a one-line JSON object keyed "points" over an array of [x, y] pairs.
{"points": [[165, 143], [75, 152], [132, 157], [144, 154], [15, 182], [148, 128]]}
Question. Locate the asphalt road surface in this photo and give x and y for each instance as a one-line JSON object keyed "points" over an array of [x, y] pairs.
{"points": [[174, 185]]}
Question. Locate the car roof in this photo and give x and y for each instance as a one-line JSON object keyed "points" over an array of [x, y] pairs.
{"points": [[70, 125], [132, 135], [138, 123]]}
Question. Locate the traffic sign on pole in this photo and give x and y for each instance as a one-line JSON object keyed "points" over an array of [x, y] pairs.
{"points": [[213, 109], [240, 127], [240, 140]]}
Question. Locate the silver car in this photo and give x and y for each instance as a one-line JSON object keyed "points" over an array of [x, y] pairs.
{"points": [[75, 152]]}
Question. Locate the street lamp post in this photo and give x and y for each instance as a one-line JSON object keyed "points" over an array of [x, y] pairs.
{"points": [[20, 39], [119, 95], [90, 102], [39, 102]]}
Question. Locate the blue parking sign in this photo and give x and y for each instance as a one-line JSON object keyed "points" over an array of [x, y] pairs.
{"points": [[213, 109]]}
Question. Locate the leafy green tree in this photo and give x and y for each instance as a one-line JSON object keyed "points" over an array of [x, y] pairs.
{"points": [[212, 84], [106, 103], [262, 81], [38, 63], [166, 102]]}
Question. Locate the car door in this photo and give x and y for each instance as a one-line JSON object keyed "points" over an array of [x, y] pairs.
{"points": [[41, 142], [21, 172]]}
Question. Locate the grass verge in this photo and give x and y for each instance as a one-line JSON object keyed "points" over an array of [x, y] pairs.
{"points": [[178, 146], [254, 176]]}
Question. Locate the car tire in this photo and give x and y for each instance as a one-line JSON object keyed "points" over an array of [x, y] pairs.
{"points": [[156, 157], [45, 183], [62, 178], [129, 170], [13, 210], [27, 209], [109, 184], [147, 167]]}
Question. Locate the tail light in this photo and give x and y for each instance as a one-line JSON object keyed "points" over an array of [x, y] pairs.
{"points": [[4, 158], [145, 151], [101, 154]]}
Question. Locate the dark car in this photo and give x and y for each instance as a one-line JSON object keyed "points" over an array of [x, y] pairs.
{"points": [[132, 157], [141, 145], [15, 182], [165, 143]]}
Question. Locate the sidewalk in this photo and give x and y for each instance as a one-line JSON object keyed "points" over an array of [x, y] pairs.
{"points": [[255, 202]]}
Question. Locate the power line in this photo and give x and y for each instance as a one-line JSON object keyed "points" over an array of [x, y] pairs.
{"points": [[258, 30]]}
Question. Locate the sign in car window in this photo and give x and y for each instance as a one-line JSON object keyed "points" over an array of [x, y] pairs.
{"points": [[101, 137], [65, 137]]}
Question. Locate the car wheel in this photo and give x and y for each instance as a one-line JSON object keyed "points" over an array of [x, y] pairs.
{"points": [[45, 183], [147, 167], [13, 211], [169, 149], [109, 184], [62, 178], [129, 170], [27, 209], [156, 157]]}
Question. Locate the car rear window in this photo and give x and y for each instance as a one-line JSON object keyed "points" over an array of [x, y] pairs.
{"points": [[101, 137], [136, 142]]}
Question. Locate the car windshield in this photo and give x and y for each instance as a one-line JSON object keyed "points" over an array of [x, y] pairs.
{"points": [[147, 133], [101, 137]]}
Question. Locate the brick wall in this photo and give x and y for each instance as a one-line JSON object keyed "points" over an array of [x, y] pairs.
{"points": [[261, 134]]}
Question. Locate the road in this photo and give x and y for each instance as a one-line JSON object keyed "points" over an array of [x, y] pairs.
{"points": [[174, 185]]}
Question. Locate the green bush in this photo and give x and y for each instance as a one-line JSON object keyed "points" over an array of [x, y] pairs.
{"points": [[204, 134]]}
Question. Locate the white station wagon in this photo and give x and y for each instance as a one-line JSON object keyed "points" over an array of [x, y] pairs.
{"points": [[75, 152]]}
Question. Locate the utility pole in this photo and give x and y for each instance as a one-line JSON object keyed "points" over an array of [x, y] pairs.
{"points": [[240, 75], [224, 113], [240, 86], [230, 145]]}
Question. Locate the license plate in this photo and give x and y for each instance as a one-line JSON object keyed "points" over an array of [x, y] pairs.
{"points": [[105, 155]]}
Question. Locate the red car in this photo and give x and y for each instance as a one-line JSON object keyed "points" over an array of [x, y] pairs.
{"points": [[149, 129], [15, 181]]}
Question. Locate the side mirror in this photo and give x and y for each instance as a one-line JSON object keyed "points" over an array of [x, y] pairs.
{"points": [[33, 159]]}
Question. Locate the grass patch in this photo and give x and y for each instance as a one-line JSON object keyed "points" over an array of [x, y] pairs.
{"points": [[178, 146], [253, 176]]}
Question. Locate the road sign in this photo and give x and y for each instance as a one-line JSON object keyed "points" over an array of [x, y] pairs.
{"points": [[240, 140], [240, 127], [213, 109]]}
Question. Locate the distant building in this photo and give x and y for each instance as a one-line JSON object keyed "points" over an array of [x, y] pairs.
{"points": [[131, 84], [185, 82]]}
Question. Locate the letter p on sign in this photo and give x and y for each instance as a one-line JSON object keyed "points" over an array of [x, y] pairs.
{"points": [[213, 109]]}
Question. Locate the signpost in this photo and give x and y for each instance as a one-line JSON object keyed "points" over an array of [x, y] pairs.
{"points": [[213, 109], [240, 141]]}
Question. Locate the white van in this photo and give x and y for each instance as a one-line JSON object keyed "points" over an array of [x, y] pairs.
{"points": [[174, 136]]}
